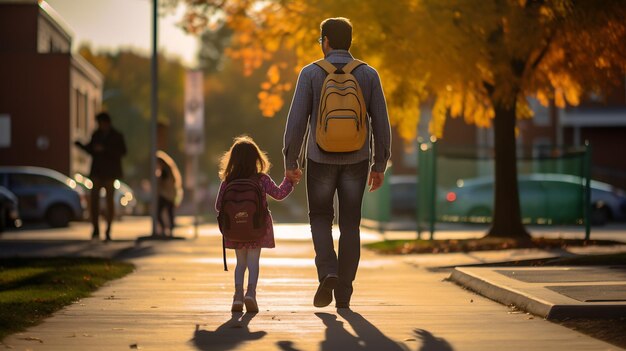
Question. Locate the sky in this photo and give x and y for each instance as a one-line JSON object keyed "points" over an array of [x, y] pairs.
{"points": [[114, 24]]}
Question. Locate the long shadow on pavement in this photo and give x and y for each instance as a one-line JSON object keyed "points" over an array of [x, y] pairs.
{"points": [[431, 342], [228, 335], [368, 336]]}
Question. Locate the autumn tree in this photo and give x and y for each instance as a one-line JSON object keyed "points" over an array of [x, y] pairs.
{"points": [[477, 60]]}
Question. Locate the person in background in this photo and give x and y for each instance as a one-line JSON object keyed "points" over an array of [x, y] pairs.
{"points": [[167, 196], [106, 147]]}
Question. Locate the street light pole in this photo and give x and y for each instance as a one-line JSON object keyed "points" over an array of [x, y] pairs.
{"points": [[153, 118]]}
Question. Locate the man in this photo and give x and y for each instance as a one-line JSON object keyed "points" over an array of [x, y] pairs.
{"points": [[345, 173], [106, 148]]}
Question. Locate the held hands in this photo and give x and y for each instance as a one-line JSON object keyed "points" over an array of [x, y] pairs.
{"points": [[294, 175], [375, 180]]}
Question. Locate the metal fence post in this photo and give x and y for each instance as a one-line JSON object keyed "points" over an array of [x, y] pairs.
{"points": [[433, 183], [587, 198], [420, 178]]}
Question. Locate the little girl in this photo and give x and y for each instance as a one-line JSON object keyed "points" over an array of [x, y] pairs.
{"points": [[245, 160]]}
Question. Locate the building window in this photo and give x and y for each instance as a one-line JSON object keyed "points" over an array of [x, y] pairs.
{"points": [[542, 113], [542, 147], [85, 112], [5, 130], [77, 109], [94, 103], [82, 111]]}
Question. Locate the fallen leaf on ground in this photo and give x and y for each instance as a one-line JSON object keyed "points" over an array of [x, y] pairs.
{"points": [[31, 338]]}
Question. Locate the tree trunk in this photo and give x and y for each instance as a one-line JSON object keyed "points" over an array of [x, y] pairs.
{"points": [[507, 221]]}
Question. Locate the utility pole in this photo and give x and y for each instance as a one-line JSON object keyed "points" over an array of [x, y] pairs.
{"points": [[153, 117]]}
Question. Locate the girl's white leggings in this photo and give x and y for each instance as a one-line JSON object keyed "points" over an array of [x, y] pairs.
{"points": [[247, 258]]}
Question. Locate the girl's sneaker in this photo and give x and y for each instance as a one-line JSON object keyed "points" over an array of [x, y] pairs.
{"points": [[250, 300], [251, 305], [237, 301]]}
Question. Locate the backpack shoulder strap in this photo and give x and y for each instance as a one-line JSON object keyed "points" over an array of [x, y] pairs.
{"points": [[326, 66], [350, 66]]}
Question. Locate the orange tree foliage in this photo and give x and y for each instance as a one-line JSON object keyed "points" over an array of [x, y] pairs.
{"points": [[478, 60], [463, 54]]}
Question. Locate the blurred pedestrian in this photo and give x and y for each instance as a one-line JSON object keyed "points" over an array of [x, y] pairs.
{"points": [[166, 185], [106, 147]]}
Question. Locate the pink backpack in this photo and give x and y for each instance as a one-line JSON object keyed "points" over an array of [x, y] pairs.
{"points": [[243, 213]]}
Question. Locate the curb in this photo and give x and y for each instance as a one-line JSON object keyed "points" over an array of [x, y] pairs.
{"points": [[500, 293], [508, 295]]}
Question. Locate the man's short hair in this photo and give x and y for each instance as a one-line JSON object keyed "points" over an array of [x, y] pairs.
{"points": [[338, 30], [103, 117]]}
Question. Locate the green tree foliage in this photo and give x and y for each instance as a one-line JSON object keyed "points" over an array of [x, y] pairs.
{"points": [[231, 109], [127, 97]]}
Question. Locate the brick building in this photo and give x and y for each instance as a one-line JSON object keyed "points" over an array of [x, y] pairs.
{"points": [[48, 96]]}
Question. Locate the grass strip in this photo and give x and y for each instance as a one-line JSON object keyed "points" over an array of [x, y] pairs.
{"points": [[31, 289], [401, 247]]}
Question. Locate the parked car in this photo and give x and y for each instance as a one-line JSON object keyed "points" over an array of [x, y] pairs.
{"points": [[124, 197], [544, 199], [44, 194], [404, 195], [9, 213]]}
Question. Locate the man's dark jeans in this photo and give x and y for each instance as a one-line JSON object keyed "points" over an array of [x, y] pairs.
{"points": [[322, 181]]}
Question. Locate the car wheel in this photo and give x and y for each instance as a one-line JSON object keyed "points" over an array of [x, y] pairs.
{"points": [[58, 216], [600, 215], [3, 219]]}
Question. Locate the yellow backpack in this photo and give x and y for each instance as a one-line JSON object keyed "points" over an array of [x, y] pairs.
{"points": [[342, 115]]}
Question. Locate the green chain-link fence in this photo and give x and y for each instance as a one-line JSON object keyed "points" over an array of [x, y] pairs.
{"points": [[456, 185]]}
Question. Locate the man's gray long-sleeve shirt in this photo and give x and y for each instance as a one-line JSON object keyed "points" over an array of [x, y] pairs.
{"points": [[304, 109]]}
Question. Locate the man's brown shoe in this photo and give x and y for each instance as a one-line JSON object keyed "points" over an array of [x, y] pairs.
{"points": [[324, 295]]}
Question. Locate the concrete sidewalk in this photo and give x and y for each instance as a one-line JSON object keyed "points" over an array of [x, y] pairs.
{"points": [[179, 299]]}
